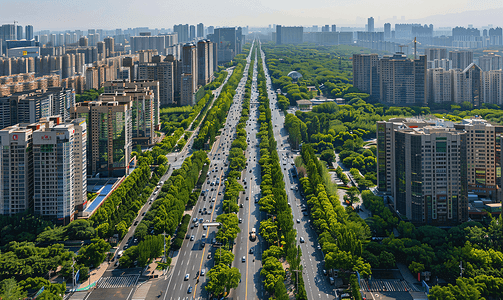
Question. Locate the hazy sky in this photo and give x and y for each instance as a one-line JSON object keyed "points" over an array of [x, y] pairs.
{"points": [[111, 14]]}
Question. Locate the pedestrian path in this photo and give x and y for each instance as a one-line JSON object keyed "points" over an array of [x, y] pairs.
{"points": [[386, 285], [117, 282], [142, 291]]}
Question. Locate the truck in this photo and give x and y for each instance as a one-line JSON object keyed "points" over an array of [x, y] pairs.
{"points": [[253, 234]]}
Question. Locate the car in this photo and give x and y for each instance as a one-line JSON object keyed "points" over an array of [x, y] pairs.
{"points": [[125, 247], [201, 220], [318, 247], [298, 221], [243, 259], [192, 237], [203, 271], [247, 198], [305, 213], [205, 227], [188, 236], [200, 210], [301, 239], [251, 250], [197, 224], [189, 291], [211, 206], [240, 220], [135, 223], [191, 226], [241, 205], [204, 234], [186, 277], [291, 188], [209, 256], [208, 182]]}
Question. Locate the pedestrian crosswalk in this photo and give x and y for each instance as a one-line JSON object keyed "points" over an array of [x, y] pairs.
{"points": [[390, 285], [117, 282]]}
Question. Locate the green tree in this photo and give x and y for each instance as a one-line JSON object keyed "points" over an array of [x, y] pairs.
{"points": [[9, 290], [93, 254], [223, 257]]}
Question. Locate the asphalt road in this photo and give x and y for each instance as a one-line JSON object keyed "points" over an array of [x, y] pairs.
{"points": [[251, 286], [317, 286], [193, 257]]}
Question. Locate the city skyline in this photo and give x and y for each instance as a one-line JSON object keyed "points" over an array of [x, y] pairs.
{"points": [[157, 14]]}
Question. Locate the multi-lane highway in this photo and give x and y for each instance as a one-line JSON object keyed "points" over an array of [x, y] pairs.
{"points": [[317, 285], [251, 286], [194, 257]]}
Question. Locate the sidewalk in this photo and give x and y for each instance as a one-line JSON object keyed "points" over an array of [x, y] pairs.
{"points": [[407, 275], [96, 274]]}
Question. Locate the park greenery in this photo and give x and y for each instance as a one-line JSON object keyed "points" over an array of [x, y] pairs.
{"points": [[277, 230]]}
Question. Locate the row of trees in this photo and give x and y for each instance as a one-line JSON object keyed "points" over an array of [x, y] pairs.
{"points": [[277, 230], [216, 116], [341, 232], [10, 289], [151, 247]]}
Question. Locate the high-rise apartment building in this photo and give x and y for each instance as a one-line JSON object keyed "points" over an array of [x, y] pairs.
{"points": [[289, 35], [422, 166], [190, 74], [182, 31], [165, 72], [204, 61], [109, 135], [58, 151], [387, 31], [25, 108], [402, 81], [365, 75], [28, 32], [109, 46], [483, 152], [490, 62], [146, 86], [435, 53], [142, 112], [461, 58], [370, 24], [192, 32], [467, 85], [200, 30], [439, 85], [8, 32], [16, 169], [228, 42]]}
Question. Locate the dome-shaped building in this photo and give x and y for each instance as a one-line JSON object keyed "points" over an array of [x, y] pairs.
{"points": [[295, 75]]}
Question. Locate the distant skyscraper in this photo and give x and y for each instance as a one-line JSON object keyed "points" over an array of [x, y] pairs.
{"points": [[189, 74], [289, 35], [370, 22], [192, 34], [365, 76], [402, 81], [19, 32], [325, 28], [109, 46], [200, 30], [387, 31], [29, 32], [334, 28], [8, 32]]}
